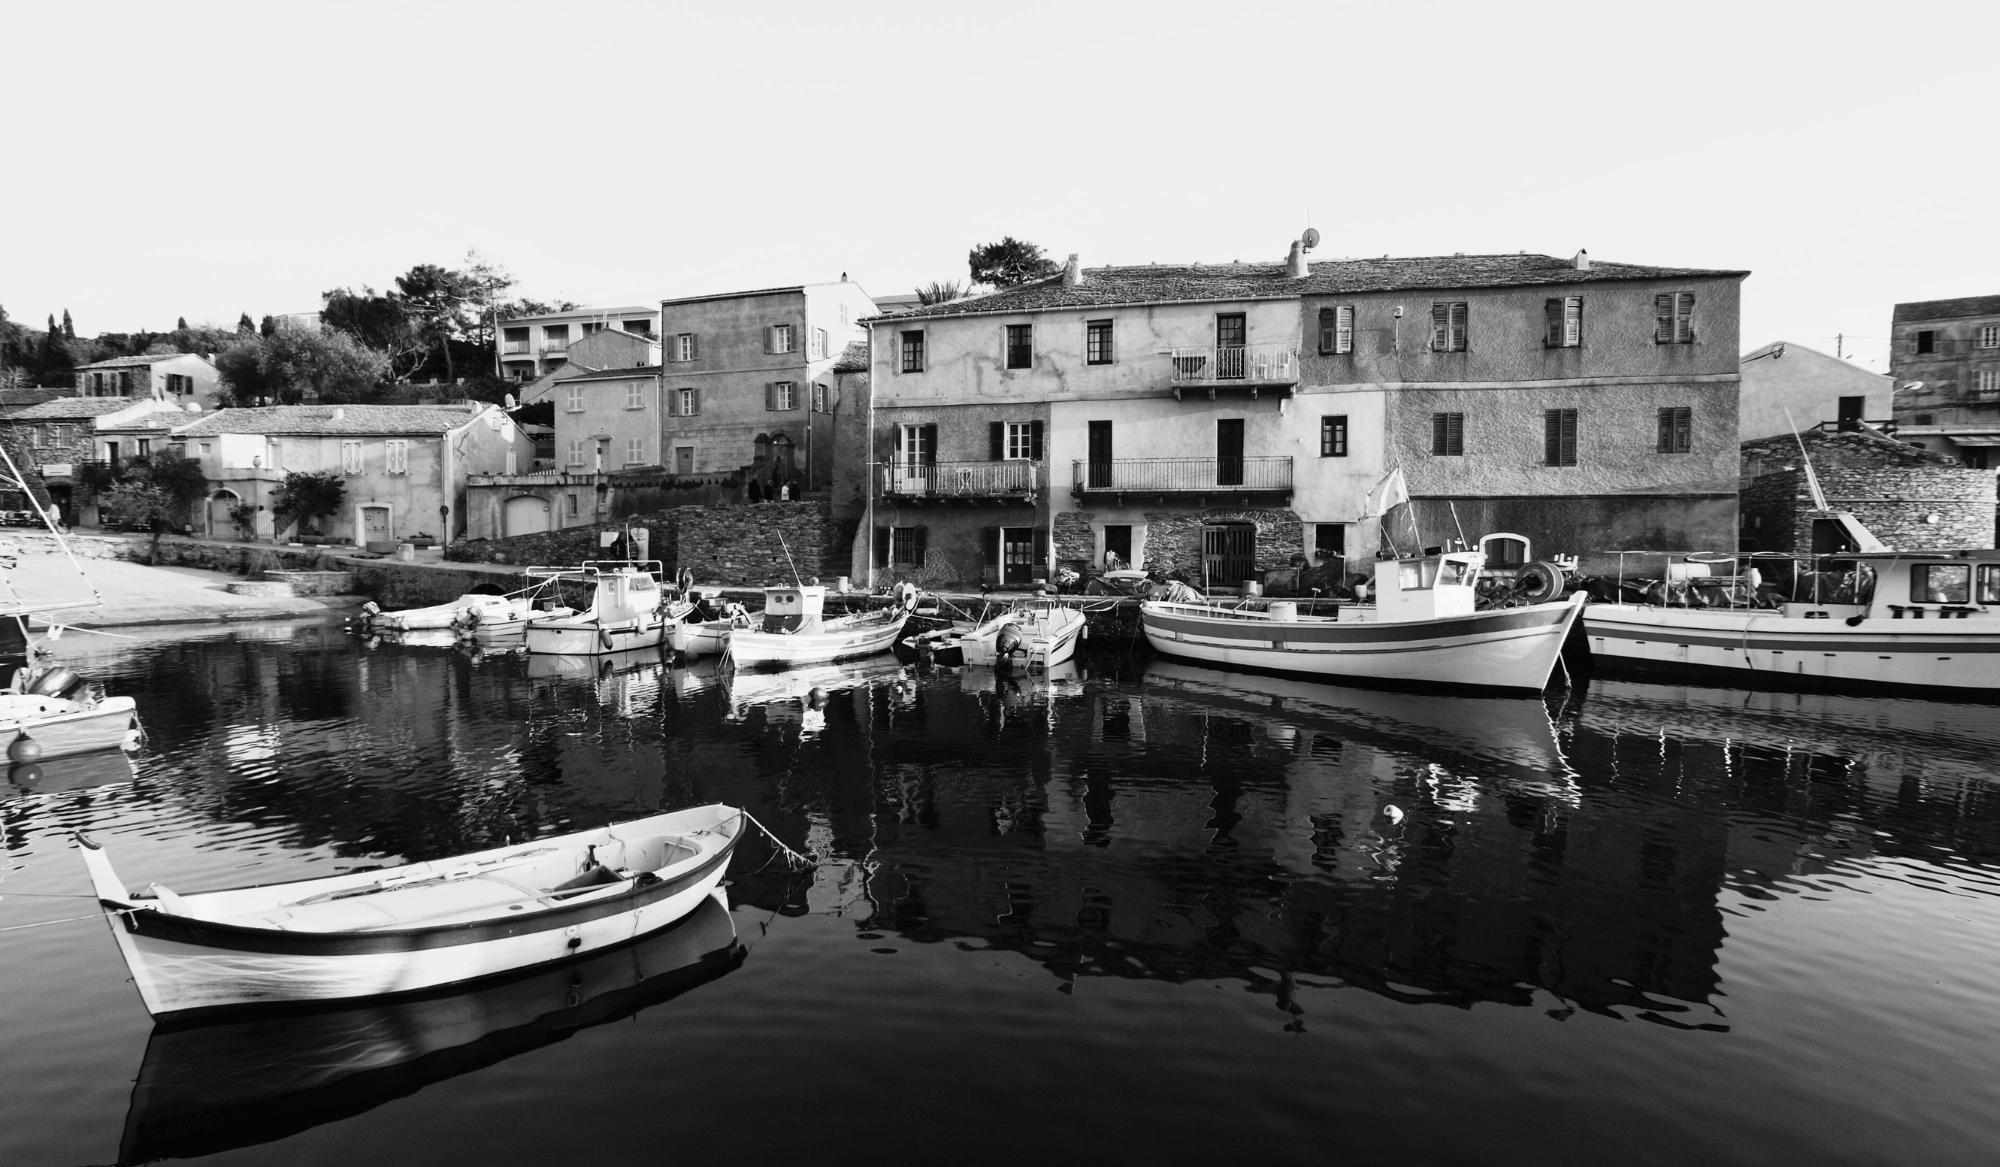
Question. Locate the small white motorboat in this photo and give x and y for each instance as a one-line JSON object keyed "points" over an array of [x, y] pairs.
{"points": [[472, 610], [629, 609], [691, 638], [1033, 634], [796, 631], [420, 926], [53, 712]]}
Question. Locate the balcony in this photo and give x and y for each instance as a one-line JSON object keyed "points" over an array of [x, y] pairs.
{"points": [[555, 348], [1202, 480], [1249, 368], [514, 348], [973, 483]]}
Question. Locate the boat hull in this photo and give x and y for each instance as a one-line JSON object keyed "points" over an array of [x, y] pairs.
{"points": [[1771, 648], [1047, 637], [707, 638], [582, 636], [1508, 649], [186, 962], [869, 634], [62, 727]]}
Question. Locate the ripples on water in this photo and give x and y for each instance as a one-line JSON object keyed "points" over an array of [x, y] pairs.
{"points": [[1149, 911]]}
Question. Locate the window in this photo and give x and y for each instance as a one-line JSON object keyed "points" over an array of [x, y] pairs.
{"points": [[65, 435], [1559, 437], [1989, 583], [1020, 346], [569, 500], [1097, 342], [635, 395], [1927, 419], [1011, 440], [1333, 436], [685, 348], [913, 351], [779, 339], [821, 401], [180, 384], [1448, 326], [1986, 381], [592, 326], [350, 457], [686, 402], [124, 382], [819, 342], [1336, 330], [781, 395], [1329, 542], [635, 451], [639, 327], [572, 399], [1676, 430], [1941, 583], [1673, 318], [1448, 434], [576, 452], [555, 338], [396, 456], [513, 340], [1565, 322], [1989, 336], [899, 546]]}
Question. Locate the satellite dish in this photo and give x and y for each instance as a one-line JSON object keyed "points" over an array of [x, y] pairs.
{"points": [[1310, 238]]}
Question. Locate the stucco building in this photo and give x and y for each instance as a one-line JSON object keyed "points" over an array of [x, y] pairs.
{"points": [[1945, 356], [172, 377], [1222, 421], [60, 435], [404, 465], [532, 346], [1788, 386]]}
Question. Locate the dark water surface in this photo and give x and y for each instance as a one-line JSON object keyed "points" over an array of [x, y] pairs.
{"points": [[1134, 912]]}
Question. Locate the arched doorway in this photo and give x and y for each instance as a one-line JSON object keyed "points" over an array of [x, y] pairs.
{"points": [[220, 525], [526, 514]]}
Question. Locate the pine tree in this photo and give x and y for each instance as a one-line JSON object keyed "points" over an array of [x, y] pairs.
{"points": [[243, 323], [52, 325], [181, 324], [69, 330], [269, 326]]}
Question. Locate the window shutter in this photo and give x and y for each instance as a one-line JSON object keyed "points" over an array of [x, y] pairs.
{"points": [[1684, 318], [930, 445], [694, 406], [1329, 328], [918, 544], [1552, 437], [1343, 337], [1460, 332], [694, 347], [770, 338], [1663, 318], [1573, 321], [770, 395], [989, 538], [1440, 326], [1552, 323], [1035, 440], [1041, 546], [881, 546], [996, 441]]}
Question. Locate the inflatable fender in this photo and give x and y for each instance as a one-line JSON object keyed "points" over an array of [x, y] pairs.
{"points": [[1540, 582]]}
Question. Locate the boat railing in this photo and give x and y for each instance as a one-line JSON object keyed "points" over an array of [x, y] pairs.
{"points": [[1753, 579]]}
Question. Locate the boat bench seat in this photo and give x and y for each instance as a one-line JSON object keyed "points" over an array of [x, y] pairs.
{"points": [[647, 854]]}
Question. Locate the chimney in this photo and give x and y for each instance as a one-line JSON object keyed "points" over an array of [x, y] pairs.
{"points": [[339, 413], [1295, 263], [1582, 260], [1072, 272]]}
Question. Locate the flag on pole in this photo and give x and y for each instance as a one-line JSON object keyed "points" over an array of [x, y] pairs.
{"points": [[1387, 493]]}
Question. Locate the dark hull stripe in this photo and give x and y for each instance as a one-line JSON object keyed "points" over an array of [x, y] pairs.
{"points": [[1844, 640], [277, 942]]}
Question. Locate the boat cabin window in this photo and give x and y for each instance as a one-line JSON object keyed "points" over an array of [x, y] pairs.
{"points": [[1941, 583], [1989, 583], [1453, 571]]}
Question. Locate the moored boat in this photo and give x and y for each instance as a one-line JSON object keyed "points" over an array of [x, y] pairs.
{"points": [[1915, 620], [629, 609], [52, 712], [1424, 629], [796, 631], [470, 610], [417, 926], [691, 638], [1033, 634]]}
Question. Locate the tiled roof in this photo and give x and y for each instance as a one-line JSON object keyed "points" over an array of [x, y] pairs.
{"points": [[793, 289], [71, 408], [1947, 309], [145, 359], [853, 359], [164, 418], [1164, 283], [611, 374], [26, 395], [312, 420]]}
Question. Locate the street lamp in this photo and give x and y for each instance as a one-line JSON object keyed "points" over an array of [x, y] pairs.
{"points": [[257, 492]]}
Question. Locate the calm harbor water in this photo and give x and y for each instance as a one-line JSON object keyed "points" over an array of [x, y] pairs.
{"points": [[1132, 911]]}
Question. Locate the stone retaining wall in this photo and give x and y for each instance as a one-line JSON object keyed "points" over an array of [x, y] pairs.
{"points": [[315, 583], [730, 544]]}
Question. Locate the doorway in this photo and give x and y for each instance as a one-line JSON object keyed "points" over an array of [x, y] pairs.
{"points": [[1017, 554], [1100, 456], [374, 525], [1228, 554], [1229, 451]]}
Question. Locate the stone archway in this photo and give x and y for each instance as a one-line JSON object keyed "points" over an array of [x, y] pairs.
{"points": [[216, 515]]}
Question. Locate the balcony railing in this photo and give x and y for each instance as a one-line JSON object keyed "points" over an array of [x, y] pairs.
{"points": [[554, 348], [1182, 475], [1258, 364], [514, 348], [1014, 478]]}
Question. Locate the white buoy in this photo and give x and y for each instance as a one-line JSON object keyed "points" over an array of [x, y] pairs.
{"points": [[1393, 813]]}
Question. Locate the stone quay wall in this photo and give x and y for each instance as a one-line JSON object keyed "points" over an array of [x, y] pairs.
{"points": [[735, 545]]}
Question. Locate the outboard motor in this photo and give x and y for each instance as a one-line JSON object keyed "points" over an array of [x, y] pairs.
{"points": [[57, 682]]}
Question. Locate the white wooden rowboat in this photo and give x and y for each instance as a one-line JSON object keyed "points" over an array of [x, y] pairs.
{"points": [[420, 926], [795, 631]]}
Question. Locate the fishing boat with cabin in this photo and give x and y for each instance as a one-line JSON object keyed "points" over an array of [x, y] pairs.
{"points": [[629, 609], [414, 927], [1423, 628]]}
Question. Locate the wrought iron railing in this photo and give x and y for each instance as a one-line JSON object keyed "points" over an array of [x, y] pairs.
{"points": [[1196, 365], [1182, 475], [1015, 476]]}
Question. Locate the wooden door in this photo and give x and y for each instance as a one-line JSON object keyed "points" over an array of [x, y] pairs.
{"points": [[1228, 554], [1232, 334], [1229, 451], [1100, 456]]}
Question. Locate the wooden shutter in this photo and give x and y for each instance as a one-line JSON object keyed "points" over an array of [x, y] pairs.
{"points": [[1041, 546], [694, 347], [930, 445], [919, 544], [881, 546], [1343, 332], [1035, 440], [1552, 323], [1329, 330], [989, 542], [1440, 326], [770, 395], [1663, 318], [694, 401], [996, 441], [1684, 318], [1559, 437]]}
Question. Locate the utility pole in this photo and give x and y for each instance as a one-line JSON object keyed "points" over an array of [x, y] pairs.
{"points": [[1839, 342]]}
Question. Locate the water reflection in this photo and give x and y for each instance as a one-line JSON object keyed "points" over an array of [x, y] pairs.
{"points": [[252, 1078]]}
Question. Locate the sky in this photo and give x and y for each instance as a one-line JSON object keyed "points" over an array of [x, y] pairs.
{"points": [[206, 159]]}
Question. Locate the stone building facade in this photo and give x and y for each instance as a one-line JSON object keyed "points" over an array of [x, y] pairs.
{"points": [[1945, 356], [1911, 499]]}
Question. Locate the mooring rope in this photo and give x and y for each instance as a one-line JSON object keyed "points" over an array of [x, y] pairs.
{"points": [[65, 919], [793, 859]]}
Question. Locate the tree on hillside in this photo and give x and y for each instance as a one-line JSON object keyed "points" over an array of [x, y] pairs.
{"points": [[244, 324], [55, 364], [940, 292], [487, 282], [268, 326], [295, 366], [181, 324], [1009, 262], [308, 498], [69, 330], [436, 300], [381, 322]]}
